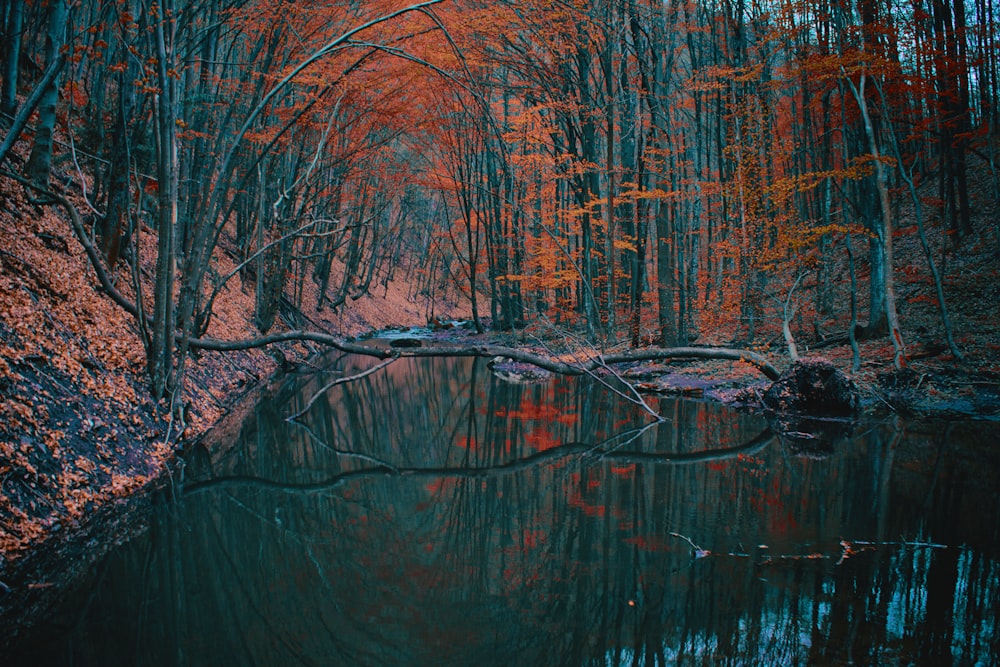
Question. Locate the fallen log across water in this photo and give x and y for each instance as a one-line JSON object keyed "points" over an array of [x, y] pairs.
{"points": [[576, 367]]}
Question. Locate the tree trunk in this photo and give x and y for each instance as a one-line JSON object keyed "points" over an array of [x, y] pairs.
{"points": [[40, 161], [119, 192], [160, 356], [21, 119], [665, 278], [12, 28], [883, 231]]}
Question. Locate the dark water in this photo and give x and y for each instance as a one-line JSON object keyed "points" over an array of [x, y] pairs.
{"points": [[431, 514]]}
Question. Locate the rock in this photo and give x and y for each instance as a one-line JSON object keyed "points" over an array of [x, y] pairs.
{"points": [[517, 372], [814, 387], [405, 342]]}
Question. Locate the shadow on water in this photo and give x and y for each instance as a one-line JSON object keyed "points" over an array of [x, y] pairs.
{"points": [[431, 514]]}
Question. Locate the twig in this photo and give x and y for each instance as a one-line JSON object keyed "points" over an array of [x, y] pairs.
{"points": [[334, 383], [633, 396], [630, 437], [79, 173], [879, 396], [698, 551]]}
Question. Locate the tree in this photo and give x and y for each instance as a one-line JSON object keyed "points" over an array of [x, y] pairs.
{"points": [[12, 28], [40, 160]]}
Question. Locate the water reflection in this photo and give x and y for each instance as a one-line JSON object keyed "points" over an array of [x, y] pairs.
{"points": [[430, 514]]}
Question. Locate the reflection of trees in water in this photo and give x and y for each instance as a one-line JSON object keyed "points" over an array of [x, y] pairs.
{"points": [[507, 524]]}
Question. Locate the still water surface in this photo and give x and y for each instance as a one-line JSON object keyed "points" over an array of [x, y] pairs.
{"points": [[432, 514]]}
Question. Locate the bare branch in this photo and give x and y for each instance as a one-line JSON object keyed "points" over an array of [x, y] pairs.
{"points": [[334, 383], [632, 394], [81, 235]]}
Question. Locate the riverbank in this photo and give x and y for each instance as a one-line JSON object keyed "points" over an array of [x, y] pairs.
{"points": [[80, 436], [932, 385]]}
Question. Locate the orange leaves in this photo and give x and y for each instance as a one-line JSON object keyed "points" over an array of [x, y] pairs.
{"points": [[66, 353], [466, 442], [541, 439], [544, 410]]}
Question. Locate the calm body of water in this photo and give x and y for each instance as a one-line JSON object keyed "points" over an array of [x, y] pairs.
{"points": [[432, 514]]}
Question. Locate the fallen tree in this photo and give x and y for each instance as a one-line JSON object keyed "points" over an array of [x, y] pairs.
{"points": [[574, 367]]}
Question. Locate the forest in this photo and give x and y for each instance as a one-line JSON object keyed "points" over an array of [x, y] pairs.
{"points": [[639, 171], [742, 173], [208, 207]]}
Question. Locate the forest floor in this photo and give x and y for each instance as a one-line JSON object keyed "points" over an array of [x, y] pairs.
{"points": [[80, 436]]}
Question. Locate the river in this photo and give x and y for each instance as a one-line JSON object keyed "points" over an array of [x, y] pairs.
{"points": [[433, 514]]}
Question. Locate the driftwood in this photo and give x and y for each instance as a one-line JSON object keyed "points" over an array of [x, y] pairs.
{"points": [[446, 350]]}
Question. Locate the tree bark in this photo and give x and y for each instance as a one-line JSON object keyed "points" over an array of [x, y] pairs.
{"points": [[116, 214], [160, 356], [884, 231], [40, 161], [21, 119], [12, 29]]}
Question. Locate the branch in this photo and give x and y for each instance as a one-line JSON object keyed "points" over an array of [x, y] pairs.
{"points": [[548, 456], [756, 360], [79, 173], [334, 383], [633, 394], [81, 235]]}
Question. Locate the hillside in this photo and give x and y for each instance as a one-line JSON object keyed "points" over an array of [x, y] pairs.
{"points": [[78, 429]]}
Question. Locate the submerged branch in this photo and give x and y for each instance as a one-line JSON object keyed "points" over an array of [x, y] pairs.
{"points": [[548, 456]]}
